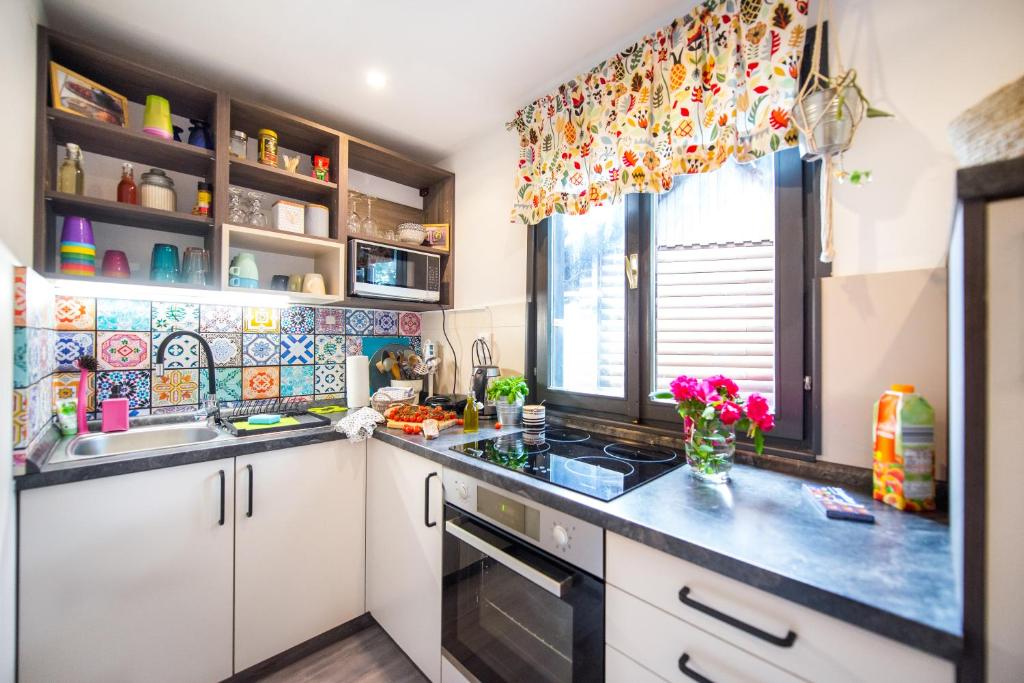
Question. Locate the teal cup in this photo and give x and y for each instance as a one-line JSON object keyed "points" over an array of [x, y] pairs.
{"points": [[163, 264]]}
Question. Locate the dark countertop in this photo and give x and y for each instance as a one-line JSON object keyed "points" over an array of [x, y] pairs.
{"points": [[894, 577]]}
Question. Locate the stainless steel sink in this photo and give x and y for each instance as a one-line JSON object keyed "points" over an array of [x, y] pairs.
{"points": [[139, 439]]}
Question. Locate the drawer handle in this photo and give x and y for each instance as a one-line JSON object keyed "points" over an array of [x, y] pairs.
{"points": [[426, 501], [684, 597], [690, 673]]}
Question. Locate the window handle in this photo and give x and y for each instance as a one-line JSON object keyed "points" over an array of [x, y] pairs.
{"points": [[632, 270]]}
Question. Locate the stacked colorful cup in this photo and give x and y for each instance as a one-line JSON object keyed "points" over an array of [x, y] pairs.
{"points": [[77, 247], [534, 424]]}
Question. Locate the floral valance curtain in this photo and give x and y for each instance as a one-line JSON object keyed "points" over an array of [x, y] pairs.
{"points": [[716, 83]]}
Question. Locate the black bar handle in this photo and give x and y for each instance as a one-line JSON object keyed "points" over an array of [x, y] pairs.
{"points": [[690, 673], [787, 641], [426, 500], [222, 494], [248, 513]]}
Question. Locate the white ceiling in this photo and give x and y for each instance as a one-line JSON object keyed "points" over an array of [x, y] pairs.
{"points": [[456, 68]]}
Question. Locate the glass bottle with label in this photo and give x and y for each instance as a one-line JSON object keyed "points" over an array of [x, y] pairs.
{"points": [[127, 191], [71, 176], [470, 416]]}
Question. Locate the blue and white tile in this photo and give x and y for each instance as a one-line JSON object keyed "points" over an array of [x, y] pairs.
{"points": [[297, 349], [229, 384], [353, 346], [261, 349], [329, 379], [218, 318], [168, 316], [123, 315], [372, 345], [297, 320], [358, 321], [297, 380], [330, 348], [330, 320], [182, 352], [385, 323], [416, 344], [226, 347], [71, 346], [21, 357], [135, 383]]}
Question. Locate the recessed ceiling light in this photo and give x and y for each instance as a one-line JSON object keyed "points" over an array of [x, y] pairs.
{"points": [[376, 79]]}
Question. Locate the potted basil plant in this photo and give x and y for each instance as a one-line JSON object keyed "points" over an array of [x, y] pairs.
{"points": [[508, 394]]}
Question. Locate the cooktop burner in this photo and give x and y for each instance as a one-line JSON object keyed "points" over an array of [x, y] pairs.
{"points": [[590, 464]]}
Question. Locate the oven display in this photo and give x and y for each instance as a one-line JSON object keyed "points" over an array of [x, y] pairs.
{"points": [[509, 513]]}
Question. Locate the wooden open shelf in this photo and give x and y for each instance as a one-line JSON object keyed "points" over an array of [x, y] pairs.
{"points": [[257, 176], [115, 141], [132, 215], [396, 243], [130, 281], [328, 256]]}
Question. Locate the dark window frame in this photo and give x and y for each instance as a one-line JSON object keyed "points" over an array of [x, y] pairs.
{"points": [[797, 328]]}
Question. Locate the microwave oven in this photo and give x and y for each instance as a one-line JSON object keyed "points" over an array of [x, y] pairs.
{"points": [[386, 272]]}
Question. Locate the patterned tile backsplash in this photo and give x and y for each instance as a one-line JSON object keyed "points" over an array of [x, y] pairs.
{"points": [[259, 352]]}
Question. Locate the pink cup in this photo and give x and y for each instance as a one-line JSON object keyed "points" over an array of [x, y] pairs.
{"points": [[115, 264]]}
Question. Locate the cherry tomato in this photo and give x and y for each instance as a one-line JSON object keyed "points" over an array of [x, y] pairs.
{"points": [[497, 425], [460, 422]]}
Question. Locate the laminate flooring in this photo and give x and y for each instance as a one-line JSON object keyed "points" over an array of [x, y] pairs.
{"points": [[368, 656]]}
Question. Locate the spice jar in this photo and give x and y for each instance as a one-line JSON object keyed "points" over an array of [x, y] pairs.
{"points": [[239, 144], [204, 196], [268, 147], [157, 191]]}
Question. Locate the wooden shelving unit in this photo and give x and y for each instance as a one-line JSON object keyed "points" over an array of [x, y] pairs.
{"points": [[396, 243], [137, 77]]}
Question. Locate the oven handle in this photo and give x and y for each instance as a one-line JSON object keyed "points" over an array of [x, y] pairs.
{"points": [[531, 574]]}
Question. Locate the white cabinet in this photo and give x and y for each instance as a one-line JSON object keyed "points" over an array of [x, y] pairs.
{"points": [[404, 523], [299, 545], [128, 578]]}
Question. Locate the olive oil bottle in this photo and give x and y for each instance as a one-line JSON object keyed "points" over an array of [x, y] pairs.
{"points": [[470, 416]]}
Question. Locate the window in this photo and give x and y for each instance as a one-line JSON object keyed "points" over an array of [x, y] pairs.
{"points": [[721, 288]]}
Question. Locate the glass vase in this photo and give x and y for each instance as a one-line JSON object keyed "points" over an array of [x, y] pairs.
{"points": [[710, 452]]}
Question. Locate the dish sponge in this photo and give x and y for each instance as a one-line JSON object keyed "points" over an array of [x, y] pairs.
{"points": [[264, 419]]}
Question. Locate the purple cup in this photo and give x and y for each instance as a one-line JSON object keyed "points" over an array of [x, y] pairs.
{"points": [[115, 264], [77, 229]]}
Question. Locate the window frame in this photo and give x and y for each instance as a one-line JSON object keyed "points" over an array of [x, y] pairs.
{"points": [[797, 318]]}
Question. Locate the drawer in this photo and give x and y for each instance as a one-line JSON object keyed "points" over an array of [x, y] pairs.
{"points": [[658, 641], [618, 668], [825, 648]]}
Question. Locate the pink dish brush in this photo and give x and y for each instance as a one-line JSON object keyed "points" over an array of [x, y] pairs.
{"points": [[86, 364]]}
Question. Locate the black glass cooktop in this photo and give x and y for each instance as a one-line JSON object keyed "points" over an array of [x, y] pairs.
{"points": [[592, 464]]}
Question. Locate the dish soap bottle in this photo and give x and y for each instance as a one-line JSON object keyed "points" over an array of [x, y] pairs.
{"points": [[470, 416], [127, 191], [71, 177], [115, 411]]}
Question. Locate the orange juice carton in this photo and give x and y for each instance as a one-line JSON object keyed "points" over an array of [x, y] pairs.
{"points": [[903, 425]]}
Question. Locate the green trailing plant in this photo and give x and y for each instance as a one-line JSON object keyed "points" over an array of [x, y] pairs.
{"points": [[510, 388]]}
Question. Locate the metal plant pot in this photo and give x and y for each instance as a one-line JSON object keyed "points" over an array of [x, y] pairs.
{"points": [[509, 414], [827, 121]]}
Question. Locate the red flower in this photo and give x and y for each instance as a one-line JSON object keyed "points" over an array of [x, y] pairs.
{"points": [[683, 388], [707, 393], [757, 408], [730, 413], [721, 381], [767, 423]]}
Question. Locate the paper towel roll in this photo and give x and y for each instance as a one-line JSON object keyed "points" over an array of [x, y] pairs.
{"points": [[357, 381]]}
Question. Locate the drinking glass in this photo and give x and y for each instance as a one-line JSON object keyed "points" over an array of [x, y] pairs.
{"points": [[369, 225], [236, 214], [195, 266], [256, 216], [355, 223]]}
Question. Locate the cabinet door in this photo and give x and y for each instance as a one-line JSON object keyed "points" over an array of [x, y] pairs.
{"points": [[128, 578], [404, 523], [299, 546]]}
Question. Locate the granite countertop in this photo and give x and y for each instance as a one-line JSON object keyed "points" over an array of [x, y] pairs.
{"points": [[894, 577]]}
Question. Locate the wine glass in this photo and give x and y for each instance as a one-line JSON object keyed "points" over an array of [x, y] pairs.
{"points": [[355, 223], [370, 225], [256, 216], [236, 214]]}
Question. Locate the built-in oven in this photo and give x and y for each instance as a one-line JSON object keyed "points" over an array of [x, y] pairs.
{"points": [[388, 272], [523, 588]]}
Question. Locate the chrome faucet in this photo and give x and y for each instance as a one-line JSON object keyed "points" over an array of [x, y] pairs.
{"points": [[212, 404]]}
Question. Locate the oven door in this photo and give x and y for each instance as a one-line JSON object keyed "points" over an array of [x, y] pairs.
{"points": [[514, 613]]}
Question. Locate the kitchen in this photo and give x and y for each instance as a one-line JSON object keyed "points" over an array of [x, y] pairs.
{"points": [[251, 273]]}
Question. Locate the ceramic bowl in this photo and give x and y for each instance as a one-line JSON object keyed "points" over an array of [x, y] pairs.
{"points": [[411, 233]]}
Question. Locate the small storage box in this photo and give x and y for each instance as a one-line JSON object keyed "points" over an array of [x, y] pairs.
{"points": [[289, 216]]}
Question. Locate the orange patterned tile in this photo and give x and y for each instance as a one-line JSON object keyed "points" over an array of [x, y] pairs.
{"points": [[261, 382]]}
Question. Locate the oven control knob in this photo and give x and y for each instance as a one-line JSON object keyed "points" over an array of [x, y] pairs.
{"points": [[560, 536], [462, 490]]}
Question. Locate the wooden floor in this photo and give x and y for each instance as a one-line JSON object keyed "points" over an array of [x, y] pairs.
{"points": [[368, 656]]}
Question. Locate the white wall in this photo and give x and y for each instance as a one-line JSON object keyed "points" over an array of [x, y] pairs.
{"points": [[18, 20], [913, 59]]}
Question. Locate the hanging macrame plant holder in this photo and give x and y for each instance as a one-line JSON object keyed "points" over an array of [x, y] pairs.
{"points": [[827, 113]]}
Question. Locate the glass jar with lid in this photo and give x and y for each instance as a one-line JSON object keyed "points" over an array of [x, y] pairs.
{"points": [[157, 191], [239, 144]]}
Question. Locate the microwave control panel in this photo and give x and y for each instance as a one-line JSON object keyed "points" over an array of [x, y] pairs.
{"points": [[434, 275]]}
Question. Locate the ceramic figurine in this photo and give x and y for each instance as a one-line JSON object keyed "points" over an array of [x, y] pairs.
{"points": [[291, 163], [321, 168]]}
